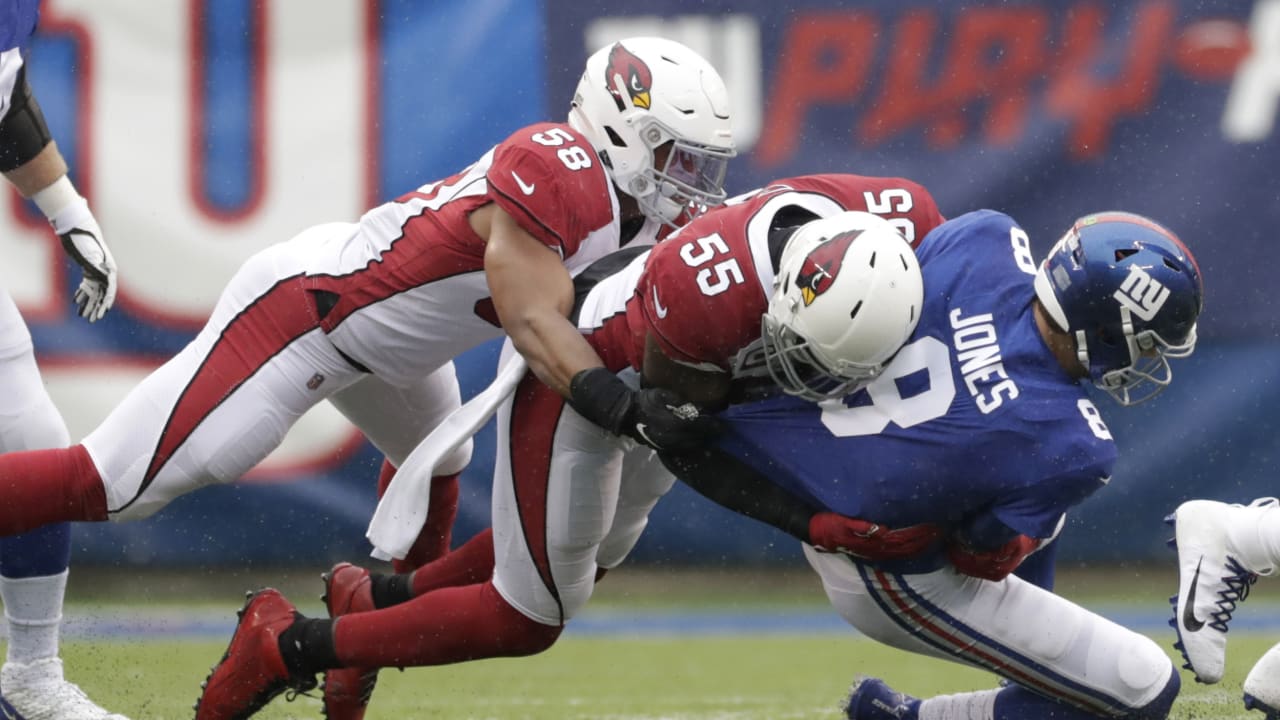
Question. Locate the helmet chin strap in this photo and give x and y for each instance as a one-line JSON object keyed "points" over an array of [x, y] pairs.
{"points": [[1082, 351]]}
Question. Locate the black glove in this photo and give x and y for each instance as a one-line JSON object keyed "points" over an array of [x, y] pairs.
{"points": [[655, 417]]}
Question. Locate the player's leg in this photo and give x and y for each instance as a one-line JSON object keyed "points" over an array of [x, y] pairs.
{"points": [[1062, 661], [555, 488], [33, 566], [1222, 548], [205, 416], [644, 481], [396, 418]]}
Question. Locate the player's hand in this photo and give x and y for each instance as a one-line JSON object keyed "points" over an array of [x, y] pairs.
{"points": [[991, 564], [663, 420], [832, 532], [655, 417], [82, 240]]}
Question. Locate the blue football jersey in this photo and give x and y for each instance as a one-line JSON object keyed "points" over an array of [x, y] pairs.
{"points": [[973, 420], [17, 22]]}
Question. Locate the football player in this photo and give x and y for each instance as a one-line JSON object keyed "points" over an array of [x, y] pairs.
{"points": [[361, 312], [1222, 549], [781, 287], [981, 425], [33, 566]]}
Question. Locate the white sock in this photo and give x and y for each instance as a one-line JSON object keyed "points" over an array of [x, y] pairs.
{"points": [[979, 705], [1254, 535], [33, 609]]}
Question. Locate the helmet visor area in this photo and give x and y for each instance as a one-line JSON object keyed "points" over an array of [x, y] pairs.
{"points": [[691, 176], [797, 371], [1150, 372]]}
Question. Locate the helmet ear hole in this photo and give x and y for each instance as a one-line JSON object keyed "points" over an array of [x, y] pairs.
{"points": [[1122, 253], [615, 138], [1107, 337]]}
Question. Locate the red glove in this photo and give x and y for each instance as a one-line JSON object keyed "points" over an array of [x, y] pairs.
{"points": [[831, 532], [991, 564]]}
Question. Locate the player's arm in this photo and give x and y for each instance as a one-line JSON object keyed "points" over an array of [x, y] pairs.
{"points": [[704, 387], [533, 295], [31, 162], [733, 484]]}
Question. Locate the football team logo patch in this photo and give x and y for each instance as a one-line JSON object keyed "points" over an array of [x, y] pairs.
{"points": [[819, 269], [635, 74], [1141, 293]]}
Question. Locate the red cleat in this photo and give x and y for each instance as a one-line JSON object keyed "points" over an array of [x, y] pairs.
{"points": [[347, 690], [252, 672]]}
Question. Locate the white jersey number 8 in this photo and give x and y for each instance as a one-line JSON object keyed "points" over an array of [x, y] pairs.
{"points": [[887, 404]]}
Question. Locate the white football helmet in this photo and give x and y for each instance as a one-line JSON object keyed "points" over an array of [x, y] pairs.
{"points": [[641, 93], [846, 297]]}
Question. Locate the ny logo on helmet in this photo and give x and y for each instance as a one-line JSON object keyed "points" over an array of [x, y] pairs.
{"points": [[1141, 293], [819, 269], [635, 74]]}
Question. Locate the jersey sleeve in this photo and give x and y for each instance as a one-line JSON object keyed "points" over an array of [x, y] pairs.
{"points": [[690, 325], [550, 180]]}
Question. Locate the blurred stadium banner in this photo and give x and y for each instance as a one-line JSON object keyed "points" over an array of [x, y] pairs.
{"points": [[203, 131]]}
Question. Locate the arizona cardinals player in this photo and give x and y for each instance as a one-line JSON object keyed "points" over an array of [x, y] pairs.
{"points": [[33, 567], [782, 284], [358, 312]]}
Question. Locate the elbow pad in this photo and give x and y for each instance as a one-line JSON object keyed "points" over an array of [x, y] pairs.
{"points": [[23, 131]]}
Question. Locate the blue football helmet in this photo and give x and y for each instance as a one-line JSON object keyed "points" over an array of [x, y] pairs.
{"points": [[1130, 292]]}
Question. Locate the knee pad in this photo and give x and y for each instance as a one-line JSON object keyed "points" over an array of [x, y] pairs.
{"points": [[1158, 708], [1151, 676]]}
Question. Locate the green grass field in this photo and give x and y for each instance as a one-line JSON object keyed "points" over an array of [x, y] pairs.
{"points": [[670, 676]]}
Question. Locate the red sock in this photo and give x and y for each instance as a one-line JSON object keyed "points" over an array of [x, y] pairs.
{"points": [[47, 486], [437, 531], [470, 564], [442, 627]]}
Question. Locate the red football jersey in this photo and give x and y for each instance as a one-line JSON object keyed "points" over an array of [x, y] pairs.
{"points": [[704, 289], [546, 176]]}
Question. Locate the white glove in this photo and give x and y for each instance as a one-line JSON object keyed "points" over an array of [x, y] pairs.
{"points": [[82, 239]]}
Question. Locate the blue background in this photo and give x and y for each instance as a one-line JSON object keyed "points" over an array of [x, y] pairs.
{"points": [[495, 65]]}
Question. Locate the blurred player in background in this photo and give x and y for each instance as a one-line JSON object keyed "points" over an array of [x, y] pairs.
{"points": [[781, 287], [33, 567], [1222, 549], [369, 314], [981, 426]]}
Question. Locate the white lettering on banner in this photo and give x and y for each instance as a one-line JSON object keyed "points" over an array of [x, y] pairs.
{"points": [[92, 389], [138, 162], [140, 130], [730, 42], [1254, 100]]}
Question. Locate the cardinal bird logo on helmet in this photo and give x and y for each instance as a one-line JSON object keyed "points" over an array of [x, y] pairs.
{"points": [[635, 75], [820, 268]]}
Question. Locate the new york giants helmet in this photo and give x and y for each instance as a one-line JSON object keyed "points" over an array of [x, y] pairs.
{"points": [[847, 295], [641, 93], [1130, 292]]}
